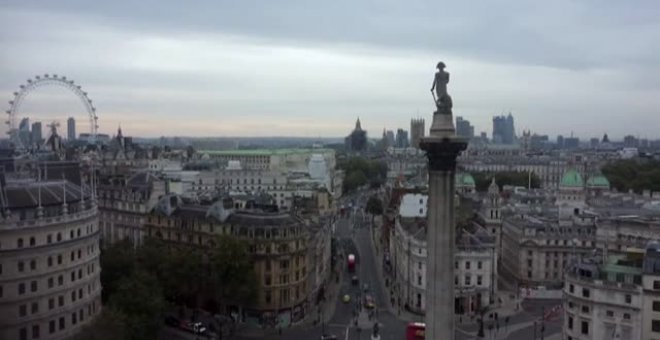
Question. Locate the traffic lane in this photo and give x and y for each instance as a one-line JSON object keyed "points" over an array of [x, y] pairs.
{"points": [[368, 263], [344, 312], [552, 327]]}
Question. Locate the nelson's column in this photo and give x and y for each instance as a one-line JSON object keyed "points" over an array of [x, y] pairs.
{"points": [[442, 146]]}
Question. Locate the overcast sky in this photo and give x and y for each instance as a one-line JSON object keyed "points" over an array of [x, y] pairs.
{"points": [[288, 68]]}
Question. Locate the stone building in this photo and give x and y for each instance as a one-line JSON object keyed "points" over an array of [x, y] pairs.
{"points": [[290, 259], [540, 240], [357, 141], [49, 245], [272, 159], [124, 202], [476, 261], [604, 298], [417, 132]]}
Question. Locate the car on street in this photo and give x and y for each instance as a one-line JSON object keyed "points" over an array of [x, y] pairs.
{"points": [[365, 287], [193, 327], [369, 301], [328, 337], [355, 280], [346, 298]]}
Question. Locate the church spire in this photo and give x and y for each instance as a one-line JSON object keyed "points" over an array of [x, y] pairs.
{"points": [[358, 126]]}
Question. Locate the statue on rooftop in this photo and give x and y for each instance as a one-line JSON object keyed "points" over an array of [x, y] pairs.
{"points": [[441, 97]]}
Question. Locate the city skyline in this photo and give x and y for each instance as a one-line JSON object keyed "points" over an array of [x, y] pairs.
{"points": [[230, 67]]}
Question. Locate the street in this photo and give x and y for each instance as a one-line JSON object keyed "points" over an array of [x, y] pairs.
{"points": [[354, 235]]}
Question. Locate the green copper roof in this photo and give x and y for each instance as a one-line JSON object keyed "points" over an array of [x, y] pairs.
{"points": [[464, 179], [571, 179], [598, 181]]}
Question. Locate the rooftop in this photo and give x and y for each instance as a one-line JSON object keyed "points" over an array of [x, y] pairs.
{"points": [[572, 179], [263, 152]]}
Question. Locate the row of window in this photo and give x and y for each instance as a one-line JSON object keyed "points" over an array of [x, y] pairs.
{"points": [[50, 261], [75, 295], [467, 264], [284, 295], [34, 284], [584, 325], [32, 241], [467, 280], [58, 324]]}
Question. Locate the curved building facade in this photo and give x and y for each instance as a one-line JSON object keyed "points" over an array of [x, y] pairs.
{"points": [[49, 259]]}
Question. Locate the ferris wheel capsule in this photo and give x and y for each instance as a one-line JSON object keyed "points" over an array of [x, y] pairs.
{"points": [[15, 93], [22, 87], [46, 75], [29, 81], [37, 77], [55, 76], [11, 102], [8, 112]]}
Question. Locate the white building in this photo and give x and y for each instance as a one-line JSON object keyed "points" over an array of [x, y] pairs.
{"points": [[603, 300], [49, 263], [476, 261]]}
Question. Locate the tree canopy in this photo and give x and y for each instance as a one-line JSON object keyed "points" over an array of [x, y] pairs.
{"points": [[361, 171], [374, 206], [138, 283], [633, 174]]}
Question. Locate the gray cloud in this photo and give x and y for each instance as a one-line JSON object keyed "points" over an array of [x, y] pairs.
{"points": [[574, 59]]}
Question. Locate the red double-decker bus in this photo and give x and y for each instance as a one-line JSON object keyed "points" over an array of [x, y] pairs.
{"points": [[415, 331], [351, 263]]}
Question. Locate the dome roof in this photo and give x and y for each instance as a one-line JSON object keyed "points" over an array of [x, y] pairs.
{"points": [[464, 179], [572, 179], [598, 181]]}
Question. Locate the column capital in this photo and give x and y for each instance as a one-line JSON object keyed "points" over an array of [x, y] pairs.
{"points": [[442, 151]]}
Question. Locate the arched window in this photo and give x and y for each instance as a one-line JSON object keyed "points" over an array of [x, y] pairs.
{"points": [[19, 243], [59, 237], [32, 241]]}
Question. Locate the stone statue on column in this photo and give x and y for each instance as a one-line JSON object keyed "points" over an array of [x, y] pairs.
{"points": [[441, 97]]}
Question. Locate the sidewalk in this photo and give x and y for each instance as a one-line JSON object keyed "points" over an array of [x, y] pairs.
{"points": [[328, 307]]}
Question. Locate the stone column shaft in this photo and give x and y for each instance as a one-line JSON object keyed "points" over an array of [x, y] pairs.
{"points": [[442, 149], [440, 266]]}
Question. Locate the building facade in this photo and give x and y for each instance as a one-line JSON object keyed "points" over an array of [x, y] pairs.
{"points": [[417, 131], [71, 128], [49, 259], [124, 201], [603, 299], [475, 266], [287, 255]]}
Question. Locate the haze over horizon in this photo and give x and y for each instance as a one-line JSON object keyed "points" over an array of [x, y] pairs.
{"points": [[260, 68]]}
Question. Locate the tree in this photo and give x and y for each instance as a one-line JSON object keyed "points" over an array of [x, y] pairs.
{"points": [[139, 302], [231, 272], [625, 175], [360, 171], [374, 206], [109, 325], [117, 261]]}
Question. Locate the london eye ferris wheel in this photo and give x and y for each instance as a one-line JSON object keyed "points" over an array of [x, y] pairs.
{"points": [[38, 82]]}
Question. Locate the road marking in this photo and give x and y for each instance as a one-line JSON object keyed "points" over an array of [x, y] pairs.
{"points": [[346, 337]]}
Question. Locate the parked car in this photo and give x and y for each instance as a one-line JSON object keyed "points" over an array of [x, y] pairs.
{"points": [[193, 327], [369, 301], [329, 337]]}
